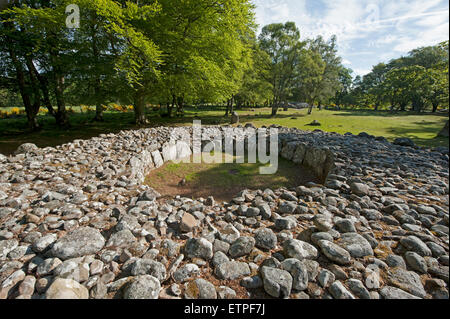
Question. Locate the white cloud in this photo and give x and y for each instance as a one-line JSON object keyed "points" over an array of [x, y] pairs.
{"points": [[368, 31], [346, 62], [361, 72]]}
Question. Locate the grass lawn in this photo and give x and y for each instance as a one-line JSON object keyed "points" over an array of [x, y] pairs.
{"points": [[223, 181], [421, 128]]}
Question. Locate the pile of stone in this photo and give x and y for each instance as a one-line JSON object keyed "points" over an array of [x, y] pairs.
{"points": [[77, 221]]}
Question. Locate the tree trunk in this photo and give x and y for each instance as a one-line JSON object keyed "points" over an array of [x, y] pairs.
{"points": [[31, 115], [232, 104], [274, 110], [62, 119], [310, 108], [139, 108], [435, 107], [44, 88], [275, 106], [98, 113], [180, 106], [228, 108], [170, 106], [97, 82], [46, 94], [30, 109]]}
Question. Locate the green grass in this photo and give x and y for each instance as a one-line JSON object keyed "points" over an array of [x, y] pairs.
{"points": [[421, 128]]}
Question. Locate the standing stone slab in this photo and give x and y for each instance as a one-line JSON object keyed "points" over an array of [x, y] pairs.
{"points": [[183, 150], [169, 152], [157, 159]]}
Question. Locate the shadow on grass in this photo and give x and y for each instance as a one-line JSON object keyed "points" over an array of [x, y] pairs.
{"points": [[224, 181], [411, 132], [383, 113], [14, 132]]}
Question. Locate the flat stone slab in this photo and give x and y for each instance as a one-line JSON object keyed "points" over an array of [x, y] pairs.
{"points": [[80, 242]]}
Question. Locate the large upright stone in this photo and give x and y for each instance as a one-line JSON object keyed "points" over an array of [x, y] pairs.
{"points": [[25, 148], [234, 118], [183, 150], [169, 152], [445, 131], [79, 242], [157, 159]]}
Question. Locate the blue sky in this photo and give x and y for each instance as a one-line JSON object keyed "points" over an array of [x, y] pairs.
{"points": [[368, 31]]}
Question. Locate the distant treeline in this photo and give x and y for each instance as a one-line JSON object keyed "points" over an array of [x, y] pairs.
{"points": [[416, 82]]}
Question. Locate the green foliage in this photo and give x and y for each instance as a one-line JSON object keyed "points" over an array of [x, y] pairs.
{"points": [[179, 52], [282, 44], [418, 80]]}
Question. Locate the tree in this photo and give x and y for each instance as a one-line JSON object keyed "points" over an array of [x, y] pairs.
{"points": [[419, 79], [256, 87], [372, 84], [311, 70], [282, 44], [330, 82], [41, 48], [407, 85], [436, 83], [205, 49], [93, 78]]}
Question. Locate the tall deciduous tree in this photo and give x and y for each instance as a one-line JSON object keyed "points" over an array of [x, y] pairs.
{"points": [[282, 43]]}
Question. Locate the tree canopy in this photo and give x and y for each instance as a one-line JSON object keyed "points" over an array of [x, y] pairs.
{"points": [[178, 52]]}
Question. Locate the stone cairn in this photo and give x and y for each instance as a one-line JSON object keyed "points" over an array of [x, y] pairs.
{"points": [[77, 221]]}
